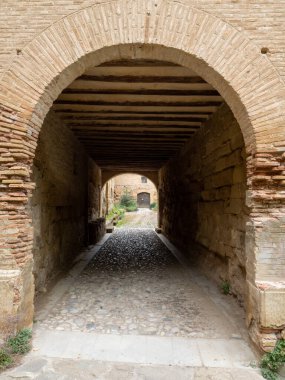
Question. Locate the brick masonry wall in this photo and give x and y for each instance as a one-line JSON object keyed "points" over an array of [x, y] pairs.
{"points": [[59, 202], [203, 199], [261, 21]]}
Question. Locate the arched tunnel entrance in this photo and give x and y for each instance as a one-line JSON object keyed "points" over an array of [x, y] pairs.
{"points": [[144, 109], [153, 117]]}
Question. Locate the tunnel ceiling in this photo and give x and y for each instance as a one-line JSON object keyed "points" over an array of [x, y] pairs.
{"points": [[136, 114]]}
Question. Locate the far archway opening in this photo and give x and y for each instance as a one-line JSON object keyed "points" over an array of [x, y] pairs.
{"points": [[130, 200]]}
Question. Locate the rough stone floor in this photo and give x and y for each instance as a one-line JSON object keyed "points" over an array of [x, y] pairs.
{"points": [[135, 312]]}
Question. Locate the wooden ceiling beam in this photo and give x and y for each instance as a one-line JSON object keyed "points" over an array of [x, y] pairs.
{"points": [[137, 98], [139, 79], [130, 145], [141, 130], [100, 85], [128, 102], [120, 91], [137, 63], [134, 71], [115, 108], [70, 117], [136, 113], [134, 123], [138, 138]]}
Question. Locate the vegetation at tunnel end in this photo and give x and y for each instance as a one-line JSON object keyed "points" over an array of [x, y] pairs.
{"points": [[272, 362], [14, 346], [128, 202], [116, 212]]}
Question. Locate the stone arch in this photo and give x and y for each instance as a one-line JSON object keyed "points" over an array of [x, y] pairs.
{"points": [[219, 53], [167, 30], [152, 176], [109, 174]]}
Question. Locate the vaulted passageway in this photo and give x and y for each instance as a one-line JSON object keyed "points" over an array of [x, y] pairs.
{"points": [[151, 117], [157, 118]]}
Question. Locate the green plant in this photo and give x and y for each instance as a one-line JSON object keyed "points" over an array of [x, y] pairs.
{"points": [[116, 211], [268, 374], [5, 359], [128, 202], [225, 287], [153, 206], [20, 343], [272, 361], [121, 222], [131, 208]]}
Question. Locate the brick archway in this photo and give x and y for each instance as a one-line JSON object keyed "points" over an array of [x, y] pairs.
{"points": [[109, 174], [166, 30]]}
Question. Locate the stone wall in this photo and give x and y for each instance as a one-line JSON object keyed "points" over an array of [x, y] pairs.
{"points": [[133, 184], [59, 204], [203, 207], [94, 190], [107, 197]]}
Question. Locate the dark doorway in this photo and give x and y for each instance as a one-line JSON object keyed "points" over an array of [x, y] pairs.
{"points": [[143, 200]]}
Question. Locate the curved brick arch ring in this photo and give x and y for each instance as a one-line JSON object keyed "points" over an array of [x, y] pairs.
{"points": [[215, 50], [165, 30], [107, 175]]}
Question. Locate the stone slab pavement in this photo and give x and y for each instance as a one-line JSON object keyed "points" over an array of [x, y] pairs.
{"points": [[44, 368]]}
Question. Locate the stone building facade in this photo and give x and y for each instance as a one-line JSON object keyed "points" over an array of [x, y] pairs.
{"points": [[222, 193], [130, 183], [135, 185]]}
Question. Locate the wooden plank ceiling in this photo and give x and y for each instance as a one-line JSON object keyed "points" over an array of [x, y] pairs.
{"points": [[136, 114]]}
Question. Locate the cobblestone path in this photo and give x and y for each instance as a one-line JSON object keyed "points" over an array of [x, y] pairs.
{"points": [[134, 285], [136, 313]]}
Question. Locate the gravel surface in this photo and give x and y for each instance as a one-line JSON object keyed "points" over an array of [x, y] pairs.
{"points": [[143, 218], [134, 285]]}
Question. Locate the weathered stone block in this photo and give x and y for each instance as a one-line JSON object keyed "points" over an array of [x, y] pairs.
{"points": [[9, 280], [223, 178], [272, 305], [234, 206], [238, 175]]}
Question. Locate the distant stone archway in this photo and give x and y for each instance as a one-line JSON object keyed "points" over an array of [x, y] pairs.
{"points": [[161, 30], [109, 174], [128, 181]]}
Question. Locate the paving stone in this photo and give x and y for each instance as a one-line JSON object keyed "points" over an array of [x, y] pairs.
{"points": [[132, 299], [134, 284]]}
